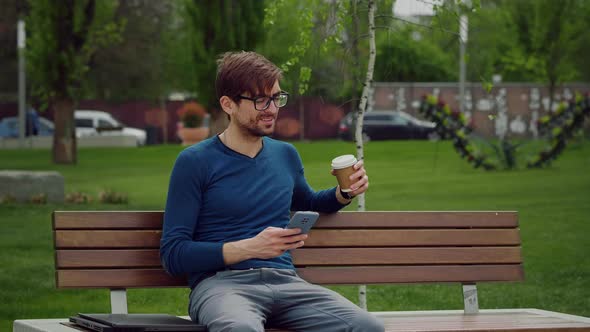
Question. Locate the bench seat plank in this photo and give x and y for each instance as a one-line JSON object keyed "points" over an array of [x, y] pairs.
{"points": [[527, 320], [487, 320], [505, 320]]}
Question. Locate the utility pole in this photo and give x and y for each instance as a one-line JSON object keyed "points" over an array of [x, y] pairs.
{"points": [[20, 43]]}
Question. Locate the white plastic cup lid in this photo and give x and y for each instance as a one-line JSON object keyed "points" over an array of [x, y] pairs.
{"points": [[343, 161]]}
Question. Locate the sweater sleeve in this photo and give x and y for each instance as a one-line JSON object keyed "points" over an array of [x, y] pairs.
{"points": [[305, 198], [179, 252]]}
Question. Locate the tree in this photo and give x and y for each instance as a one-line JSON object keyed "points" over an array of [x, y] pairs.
{"points": [[406, 57], [358, 137], [216, 27], [297, 33], [115, 72], [547, 34], [64, 36], [177, 51]]}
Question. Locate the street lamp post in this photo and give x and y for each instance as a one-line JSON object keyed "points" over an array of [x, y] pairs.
{"points": [[21, 38], [463, 22]]}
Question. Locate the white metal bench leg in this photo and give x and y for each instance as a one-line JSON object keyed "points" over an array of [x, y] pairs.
{"points": [[118, 301], [470, 299]]}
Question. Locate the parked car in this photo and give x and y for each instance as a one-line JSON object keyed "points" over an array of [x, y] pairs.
{"points": [[9, 127], [388, 125], [94, 123]]}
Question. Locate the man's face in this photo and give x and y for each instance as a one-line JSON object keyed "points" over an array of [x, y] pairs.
{"points": [[254, 122]]}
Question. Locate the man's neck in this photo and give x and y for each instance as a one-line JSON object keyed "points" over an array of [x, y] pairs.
{"points": [[240, 142]]}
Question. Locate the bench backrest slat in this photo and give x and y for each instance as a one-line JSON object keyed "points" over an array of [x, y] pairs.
{"points": [[133, 278], [311, 257], [121, 249], [318, 238], [372, 219]]}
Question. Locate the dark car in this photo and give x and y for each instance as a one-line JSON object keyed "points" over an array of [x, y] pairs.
{"points": [[388, 125]]}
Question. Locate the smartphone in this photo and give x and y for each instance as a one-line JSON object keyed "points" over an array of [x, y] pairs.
{"points": [[304, 220]]}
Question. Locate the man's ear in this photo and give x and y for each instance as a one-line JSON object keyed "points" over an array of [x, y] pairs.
{"points": [[227, 104]]}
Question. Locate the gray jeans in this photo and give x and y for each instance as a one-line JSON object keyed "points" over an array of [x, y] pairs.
{"points": [[249, 300]]}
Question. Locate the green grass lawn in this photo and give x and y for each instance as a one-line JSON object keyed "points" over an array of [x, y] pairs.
{"points": [[553, 205]]}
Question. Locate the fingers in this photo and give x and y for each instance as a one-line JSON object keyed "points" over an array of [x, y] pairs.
{"points": [[362, 184], [290, 231], [359, 164], [294, 242], [282, 236], [356, 166], [282, 231], [358, 174], [360, 187], [294, 238], [294, 245]]}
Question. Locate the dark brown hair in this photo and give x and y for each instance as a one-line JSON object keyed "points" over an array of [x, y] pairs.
{"points": [[240, 72]]}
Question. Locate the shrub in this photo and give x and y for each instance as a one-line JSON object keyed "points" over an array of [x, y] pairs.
{"points": [[7, 199], [78, 198], [39, 198], [191, 114], [112, 197]]}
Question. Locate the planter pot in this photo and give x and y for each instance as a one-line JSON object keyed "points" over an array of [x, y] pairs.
{"points": [[190, 136]]}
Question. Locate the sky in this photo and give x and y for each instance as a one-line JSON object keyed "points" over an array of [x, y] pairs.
{"points": [[413, 7]]}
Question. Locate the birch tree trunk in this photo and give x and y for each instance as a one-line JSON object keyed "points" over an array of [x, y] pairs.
{"points": [[359, 123]]}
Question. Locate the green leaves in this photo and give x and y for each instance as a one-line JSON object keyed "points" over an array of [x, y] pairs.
{"points": [[304, 77], [302, 27], [270, 12], [486, 84], [57, 57], [220, 26]]}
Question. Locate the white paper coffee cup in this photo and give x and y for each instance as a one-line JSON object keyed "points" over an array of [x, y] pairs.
{"points": [[343, 169]]}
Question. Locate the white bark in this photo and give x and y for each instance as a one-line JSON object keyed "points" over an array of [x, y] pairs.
{"points": [[359, 123]]}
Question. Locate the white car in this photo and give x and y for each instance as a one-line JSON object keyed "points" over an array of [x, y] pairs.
{"points": [[94, 123]]}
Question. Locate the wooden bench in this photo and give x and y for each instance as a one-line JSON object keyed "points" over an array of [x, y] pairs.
{"points": [[120, 250]]}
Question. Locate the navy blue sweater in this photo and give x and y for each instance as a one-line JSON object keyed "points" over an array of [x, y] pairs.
{"points": [[217, 195]]}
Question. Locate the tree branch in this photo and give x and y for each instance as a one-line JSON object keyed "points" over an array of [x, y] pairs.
{"points": [[80, 37]]}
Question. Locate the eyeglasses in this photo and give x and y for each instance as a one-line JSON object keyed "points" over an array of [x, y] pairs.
{"points": [[263, 102]]}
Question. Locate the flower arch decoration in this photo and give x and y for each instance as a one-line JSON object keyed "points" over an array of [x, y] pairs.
{"points": [[452, 125], [557, 128]]}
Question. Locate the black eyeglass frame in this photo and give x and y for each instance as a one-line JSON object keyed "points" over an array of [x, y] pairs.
{"points": [[274, 99]]}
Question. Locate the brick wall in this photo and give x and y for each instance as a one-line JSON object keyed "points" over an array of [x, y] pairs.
{"points": [[509, 109]]}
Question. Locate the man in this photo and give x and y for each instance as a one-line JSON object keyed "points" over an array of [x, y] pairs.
{"points": [[228, 203], [32, 123]]}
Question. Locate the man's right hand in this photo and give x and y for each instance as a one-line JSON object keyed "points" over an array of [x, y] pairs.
{"points": [[271, 242]]}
